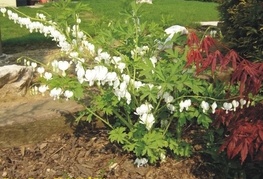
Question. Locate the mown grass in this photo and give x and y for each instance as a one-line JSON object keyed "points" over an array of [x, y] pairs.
{"points": [[164, 12], [178, 11]]}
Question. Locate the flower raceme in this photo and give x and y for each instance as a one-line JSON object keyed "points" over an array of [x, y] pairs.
{"points": [[47, 28]]}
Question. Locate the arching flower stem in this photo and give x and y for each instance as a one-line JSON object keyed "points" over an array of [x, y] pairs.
{"points": [[205, 97]]}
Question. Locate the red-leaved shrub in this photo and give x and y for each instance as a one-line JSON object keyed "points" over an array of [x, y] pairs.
{"points": [[245, 132], [244, 126]]}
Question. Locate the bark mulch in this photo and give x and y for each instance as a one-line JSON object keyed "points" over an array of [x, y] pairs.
{"points": [[84, 153]]}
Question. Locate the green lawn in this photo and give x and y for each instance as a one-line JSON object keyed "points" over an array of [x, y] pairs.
{"points": [[164, 12]]}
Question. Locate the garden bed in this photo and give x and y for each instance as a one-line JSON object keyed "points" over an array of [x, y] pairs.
{"points": [[84, 151]]}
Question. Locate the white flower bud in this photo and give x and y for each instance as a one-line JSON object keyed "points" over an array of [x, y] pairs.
{"points": [[227, 107], [68, 94], [205, 106]]}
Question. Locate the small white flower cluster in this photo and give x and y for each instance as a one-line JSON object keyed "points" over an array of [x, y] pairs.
{"points": [[121, 90], [102, 76], [213, 33], [154, 60], [42, 89], [40, 70], [57, 66], [118, 64], [41, 16], [141, 51], [146, 117], [205, 106], [103, 56], [185, 105], [34, 90], [137, 84], [98, 74], [49, 29], [3, 10], [55, 92], [140, 162], [234, 104], [169, 99]]}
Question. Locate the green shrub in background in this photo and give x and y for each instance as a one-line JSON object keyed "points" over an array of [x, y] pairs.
{"points": [[243, 26]]}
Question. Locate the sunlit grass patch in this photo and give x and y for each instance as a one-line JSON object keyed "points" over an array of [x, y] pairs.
{"points": [[163, 12]]}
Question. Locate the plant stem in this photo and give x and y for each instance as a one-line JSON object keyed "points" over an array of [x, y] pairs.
{"points": [[157, 106], [205, 97], [123, 120], [31, 59], [100, 118], [168, 125]]}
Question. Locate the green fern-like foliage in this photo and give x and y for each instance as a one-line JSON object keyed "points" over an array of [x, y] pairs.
{"points": [[243, 27]]}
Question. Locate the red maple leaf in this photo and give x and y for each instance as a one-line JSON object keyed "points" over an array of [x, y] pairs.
{"points": [[245, 130], [193, 40], [231, 57], [207, 45], [249, 75]]}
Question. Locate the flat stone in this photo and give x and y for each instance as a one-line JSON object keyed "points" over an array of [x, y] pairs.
{"points": [[209, 23], [32, 108], [15, 80], [26, 118], [4, 59], [31, 119]]}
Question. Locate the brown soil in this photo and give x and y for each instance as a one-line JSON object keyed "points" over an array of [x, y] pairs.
{"points": [[85, 151]]}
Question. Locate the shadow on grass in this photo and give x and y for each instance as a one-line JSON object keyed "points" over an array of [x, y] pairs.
{"points": [[32, 41]]}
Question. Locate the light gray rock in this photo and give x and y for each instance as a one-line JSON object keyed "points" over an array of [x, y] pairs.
{"points": [[4, 59], [15, 80]]}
